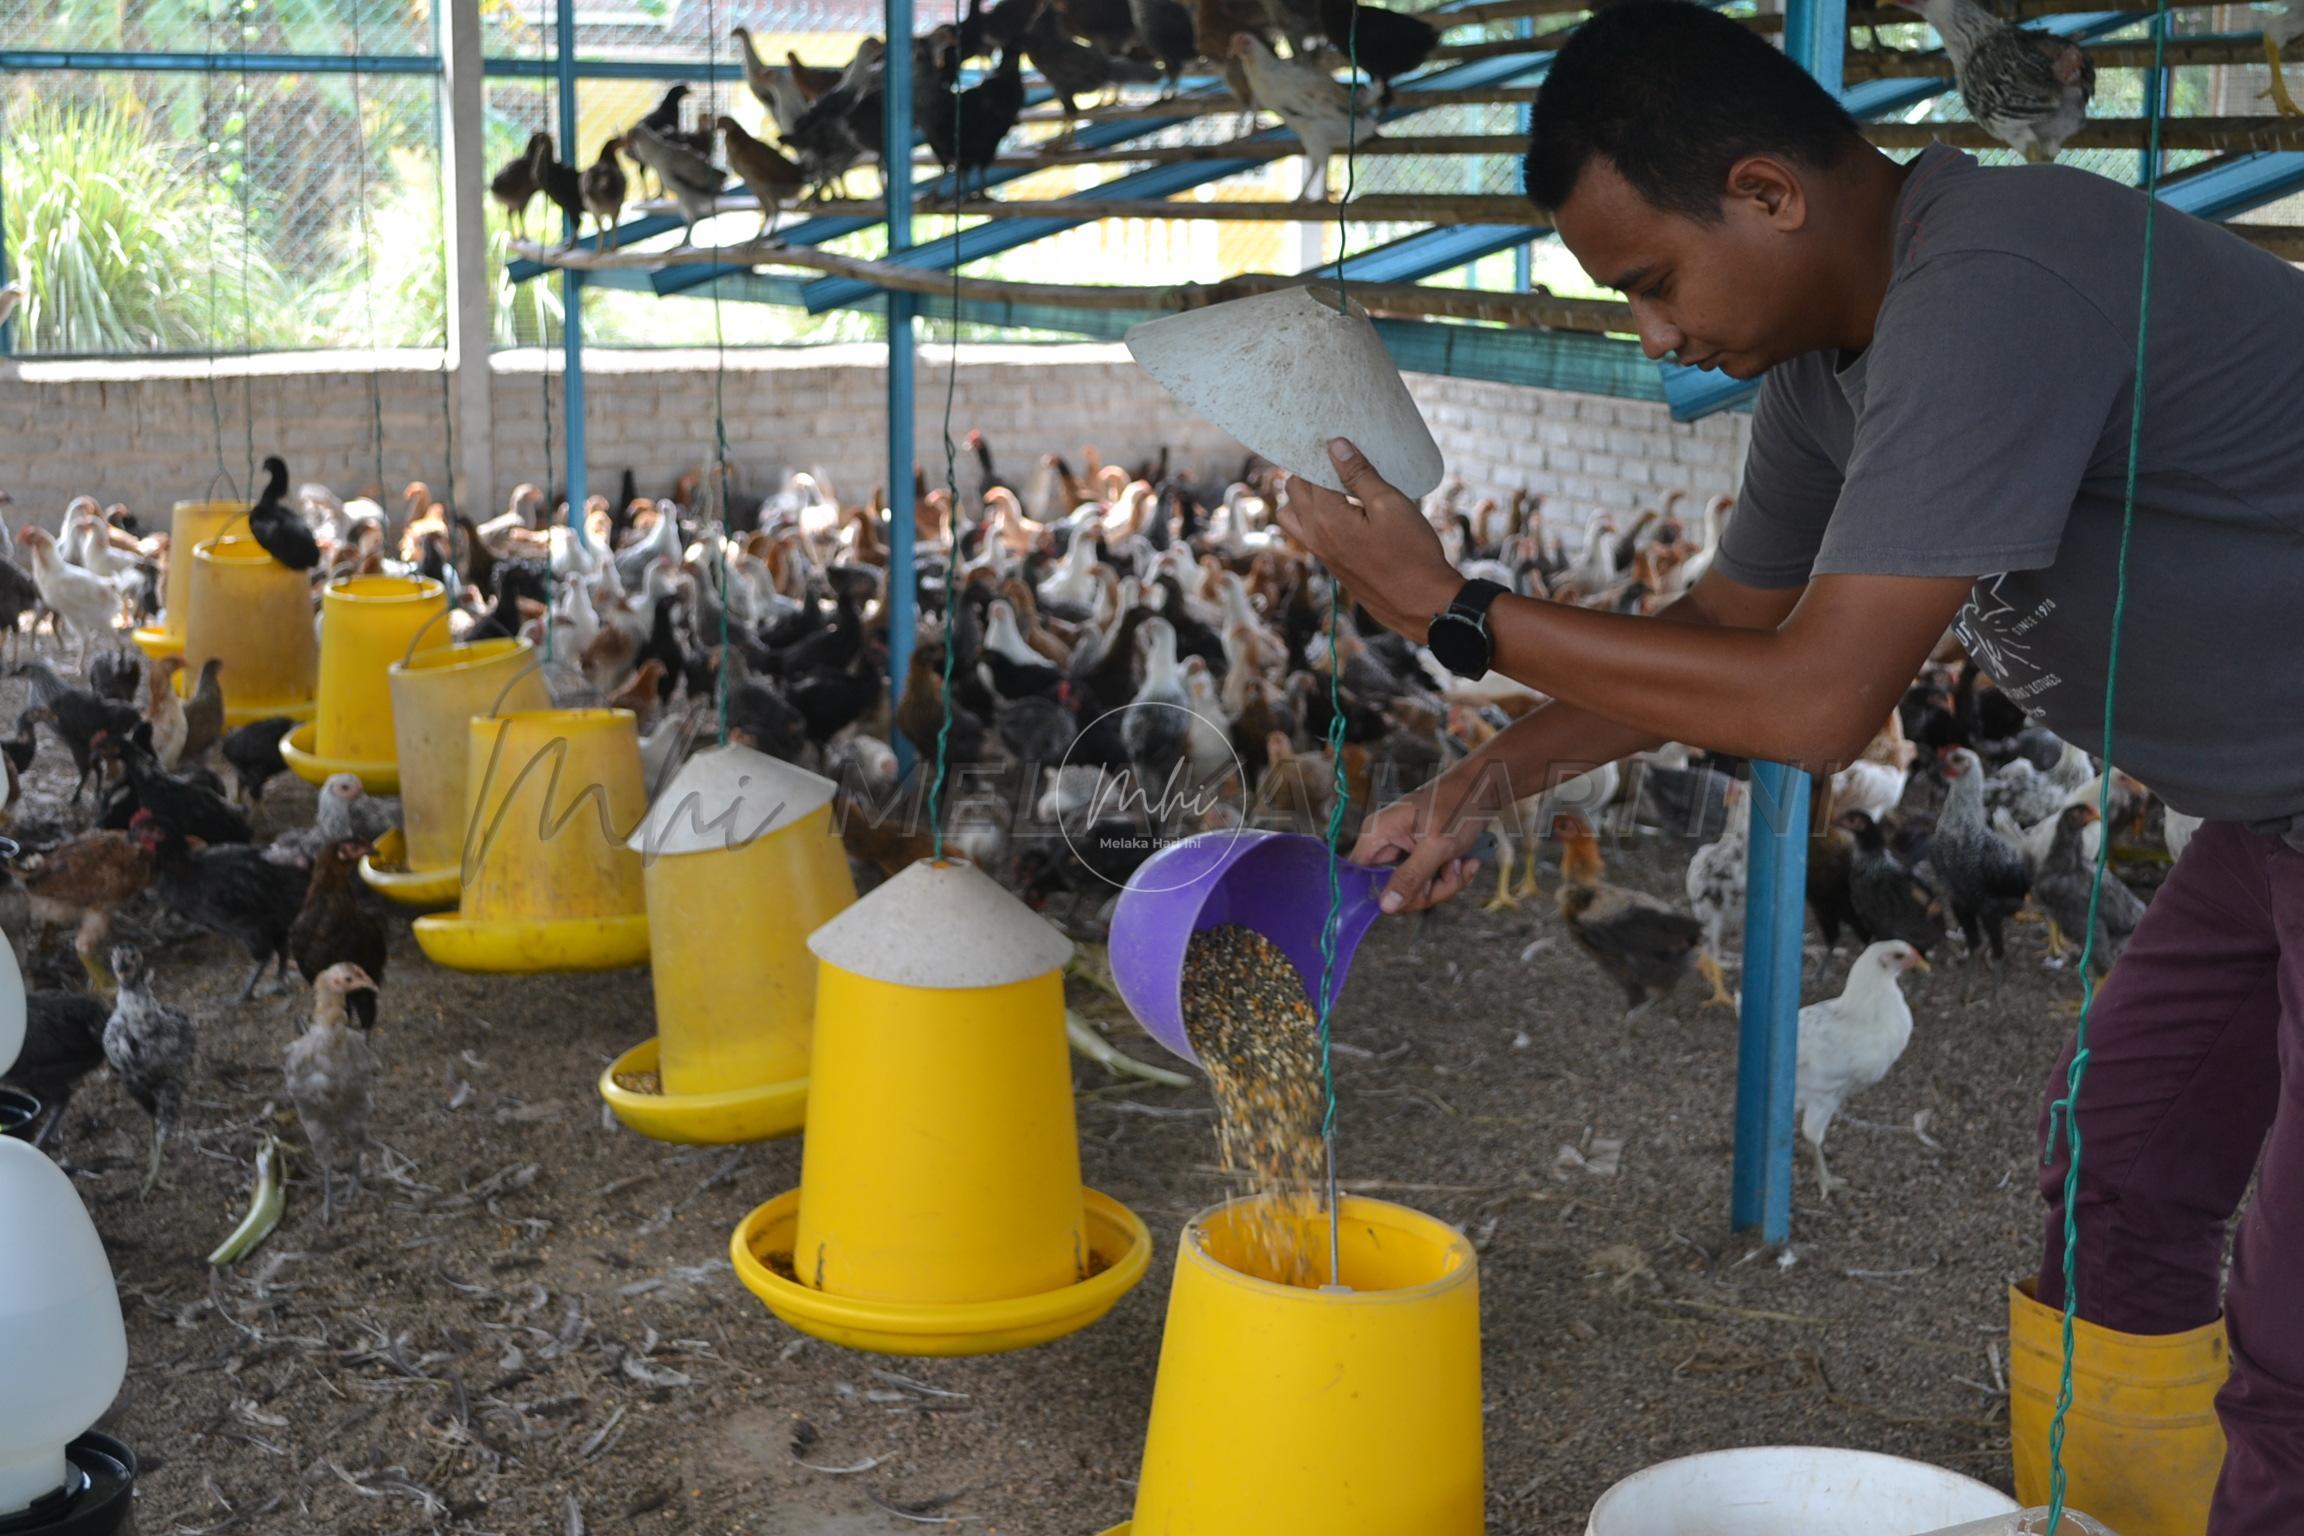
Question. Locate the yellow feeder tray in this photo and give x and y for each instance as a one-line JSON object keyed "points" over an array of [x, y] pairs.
{"points": [[367, 623], [741, 864], [254, 614], [190, 525], [1351, 1411], [387, 873], [548, 884], [754, 1113], [435, 694], [940, 1209]]}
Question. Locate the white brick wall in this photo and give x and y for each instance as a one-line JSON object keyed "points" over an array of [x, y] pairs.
{"points": [[145, 433]]}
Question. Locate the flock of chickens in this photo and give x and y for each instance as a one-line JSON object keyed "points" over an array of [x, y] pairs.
{"points": [[1109, 657], [826, 122]]}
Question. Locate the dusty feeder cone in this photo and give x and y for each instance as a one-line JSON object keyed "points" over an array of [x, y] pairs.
{"points": [[63, 1354], [1772, 1490], [435, 695], [548, 885], [190, 525], [367, 625], [255, 615], [940, 1209], [1273, 882], [1286, 371], [1351, 1411], [740, 863]]}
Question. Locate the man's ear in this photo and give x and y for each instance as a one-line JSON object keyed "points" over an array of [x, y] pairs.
{"points": [[1772, 187]]}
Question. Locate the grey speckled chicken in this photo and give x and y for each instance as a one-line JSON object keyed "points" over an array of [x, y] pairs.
{"points": [[2062, 886], [330, 1073], [1890, 901], [1982, 873], [2030, 89], [150, 1046]]}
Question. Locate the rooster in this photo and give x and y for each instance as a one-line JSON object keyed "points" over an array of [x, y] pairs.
{"points": [[2031, 90], [1849, 1042]]}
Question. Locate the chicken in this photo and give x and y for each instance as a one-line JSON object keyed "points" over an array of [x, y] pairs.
{"points": [[342, 810], [252, 754], [1316, 108], [77, 717], [203, 713], [114, 673], [164, 711], [514, 187], [2176, 831], [603, 187], [1983, 875], [765, 172], [1829, 881], [2062, 886], [1071, 67], [1164, 28], [1388, 44], [841, 126], [2280, 30], [330, 1073], [693, 180], [149, 1046], [2029, 89], [177, 801], [279, 527], [1156, 727], [560, 183], [1874, 783], [1716, 887], [2030, 796], [1647, 946], [63, 1043], [1850, 1042], [335, 927], [233, 890], [776, 87], [22, 747], [84, 603], [82, 882], [965, 133], [1890, 901]]}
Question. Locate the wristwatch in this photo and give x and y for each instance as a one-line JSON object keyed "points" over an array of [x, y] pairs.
{"points": [[1459, 634]]}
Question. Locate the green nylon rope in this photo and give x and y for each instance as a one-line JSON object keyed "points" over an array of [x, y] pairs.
{"points": [[2067, 1108], [719, 465], [951, 466]]}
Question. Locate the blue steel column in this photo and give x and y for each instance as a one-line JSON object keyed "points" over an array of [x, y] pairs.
{"points": [[1775, 892], [571, 282], [1524, 254], [896, 167]]}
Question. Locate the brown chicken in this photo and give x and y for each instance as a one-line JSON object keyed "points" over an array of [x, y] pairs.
{"points": [[1648, 946], [83, 882], [766, 174], [642, 694], [889, 845], [333, 926], [203, 714], [164, 711]]}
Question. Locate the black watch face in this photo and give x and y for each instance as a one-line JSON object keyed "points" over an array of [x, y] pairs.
{"points": [[1460, 645]]}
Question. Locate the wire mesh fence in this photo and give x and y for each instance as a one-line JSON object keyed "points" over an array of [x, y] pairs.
{"points": [[370, 27]]}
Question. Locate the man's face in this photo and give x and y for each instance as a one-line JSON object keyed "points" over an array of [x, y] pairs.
{"points": [[1732, 295]]}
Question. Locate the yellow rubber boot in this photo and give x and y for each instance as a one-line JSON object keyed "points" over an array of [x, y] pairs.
{"points": [[2142, 1448]]}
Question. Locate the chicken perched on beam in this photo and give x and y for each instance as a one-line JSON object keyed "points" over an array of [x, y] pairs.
{"points": [[2029, 89], [1317, 108]]}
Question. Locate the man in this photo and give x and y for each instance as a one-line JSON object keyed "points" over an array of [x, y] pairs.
{"points": [[1942, 439]]}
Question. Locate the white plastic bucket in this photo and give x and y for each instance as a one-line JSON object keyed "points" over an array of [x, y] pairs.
{"points": [[1789, 1490]]}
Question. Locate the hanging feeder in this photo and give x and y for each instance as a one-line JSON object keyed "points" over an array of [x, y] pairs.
{"points": [[1351, 1411], [367, 624], [1284, 372], [1273, 882], [254, 614], [190, 525], [435, 694], [741, 864], [19, 1110], [1769, 1490], [548, 885], [940, 1209]]}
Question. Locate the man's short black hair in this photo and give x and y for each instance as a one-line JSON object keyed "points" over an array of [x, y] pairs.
{"points": [[1673, 94]]}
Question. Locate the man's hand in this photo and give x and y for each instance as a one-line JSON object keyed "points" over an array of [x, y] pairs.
{"points": [[1426, 834], [1376, 542]]}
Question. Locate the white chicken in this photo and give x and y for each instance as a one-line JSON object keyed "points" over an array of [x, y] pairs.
{"points": [[1316, 107], [82, 601], [1156, 726], [1850, 1042], [1874, 783]]}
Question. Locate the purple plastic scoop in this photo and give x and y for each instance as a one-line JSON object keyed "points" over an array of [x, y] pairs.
{"points": [[1273, 882]]}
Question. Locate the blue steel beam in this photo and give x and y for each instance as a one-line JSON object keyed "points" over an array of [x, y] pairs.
{"points": [[996, 235]]}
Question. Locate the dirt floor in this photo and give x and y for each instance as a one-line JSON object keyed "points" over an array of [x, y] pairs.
{"points": [[532, 1326]]}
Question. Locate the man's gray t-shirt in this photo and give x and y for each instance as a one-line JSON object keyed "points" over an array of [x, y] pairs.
{"points": [[1985, 433]]}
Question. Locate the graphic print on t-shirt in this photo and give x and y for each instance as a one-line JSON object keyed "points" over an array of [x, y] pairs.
{"points": [[1999, 637]]}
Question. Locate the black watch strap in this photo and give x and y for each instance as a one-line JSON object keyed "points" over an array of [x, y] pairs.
{"points": [[1474, 598], [1458, 635]]}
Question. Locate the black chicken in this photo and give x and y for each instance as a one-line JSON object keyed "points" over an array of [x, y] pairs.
{"points": [[114, 673], [1890, 901], [278, 527], [63, 1043], [233, 890], [562, 184], [1983, 875], [253, 754], [514, 187], [77, 717], [177, 801], [22, 747]]}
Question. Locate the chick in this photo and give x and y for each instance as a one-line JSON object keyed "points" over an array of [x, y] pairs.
{"points": [[330, 1074], [766, 173], [149, 1046]]}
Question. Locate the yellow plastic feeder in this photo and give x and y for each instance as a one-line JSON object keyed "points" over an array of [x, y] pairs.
{"points": [[548, 885], [1351, 1412], [435, 694], [254, 614], [367, 625], [741, 864], [190, 524], [940, 1210]]}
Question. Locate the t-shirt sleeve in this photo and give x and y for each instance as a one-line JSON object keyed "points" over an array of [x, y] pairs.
{"points": [[1989, 387], [1790, 486]]}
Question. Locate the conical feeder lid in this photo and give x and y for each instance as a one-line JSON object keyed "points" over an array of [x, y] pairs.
{"points": [[727, 799], [941, 926], [1286, 371]]}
